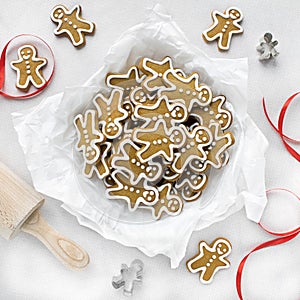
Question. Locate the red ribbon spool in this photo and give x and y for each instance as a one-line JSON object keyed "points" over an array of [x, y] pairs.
{"points": [[2, 69]]}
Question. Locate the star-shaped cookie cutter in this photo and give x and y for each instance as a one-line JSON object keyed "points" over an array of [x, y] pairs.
{"points": [[266, 47], [129, 277]]}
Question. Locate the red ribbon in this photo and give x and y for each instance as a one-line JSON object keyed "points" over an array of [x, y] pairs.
{"points": [[283, 238], [2, 70], [279, 128]]}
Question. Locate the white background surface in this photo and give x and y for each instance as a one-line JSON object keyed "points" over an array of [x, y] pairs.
{"points": [[29, 271]]}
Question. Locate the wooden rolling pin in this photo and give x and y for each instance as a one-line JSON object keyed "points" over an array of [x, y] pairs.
{"points": [[19, 210]]}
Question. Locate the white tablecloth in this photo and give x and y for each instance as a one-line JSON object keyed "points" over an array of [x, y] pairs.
{"points": [[29, 271]]}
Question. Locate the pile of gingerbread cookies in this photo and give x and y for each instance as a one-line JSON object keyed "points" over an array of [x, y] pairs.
{"points": [[155, 137]]}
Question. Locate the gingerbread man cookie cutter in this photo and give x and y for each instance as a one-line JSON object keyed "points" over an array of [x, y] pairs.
{"points": [[70, 23], [28, 68], [266, 47], [210, 259], [129, 277], [224, 26]]}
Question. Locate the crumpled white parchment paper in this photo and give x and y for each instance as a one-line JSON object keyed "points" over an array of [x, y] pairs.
{"points": [[47, 136]]}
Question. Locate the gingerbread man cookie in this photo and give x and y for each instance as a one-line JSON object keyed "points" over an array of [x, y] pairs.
{"points": [[70, 23], [138, 96], [102, 166], [215, 151], [126, 82], [28, 67], [111, 113], [88, 136], [193, 147], [224, 26], [158, 140], [188, 194], [171, 113], [129, 162], [190, 184], [170, 176], [168, 202], [213, 113], [155, 71], [134, 194], [187, 89], [210, 260]]}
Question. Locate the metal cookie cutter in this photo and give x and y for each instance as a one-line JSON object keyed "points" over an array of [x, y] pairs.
{"points": [[266, 47], [129, 277]]}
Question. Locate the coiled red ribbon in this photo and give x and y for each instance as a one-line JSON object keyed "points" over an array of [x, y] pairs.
{"points": [[283, 238], [2, 69], [279, 128]]}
